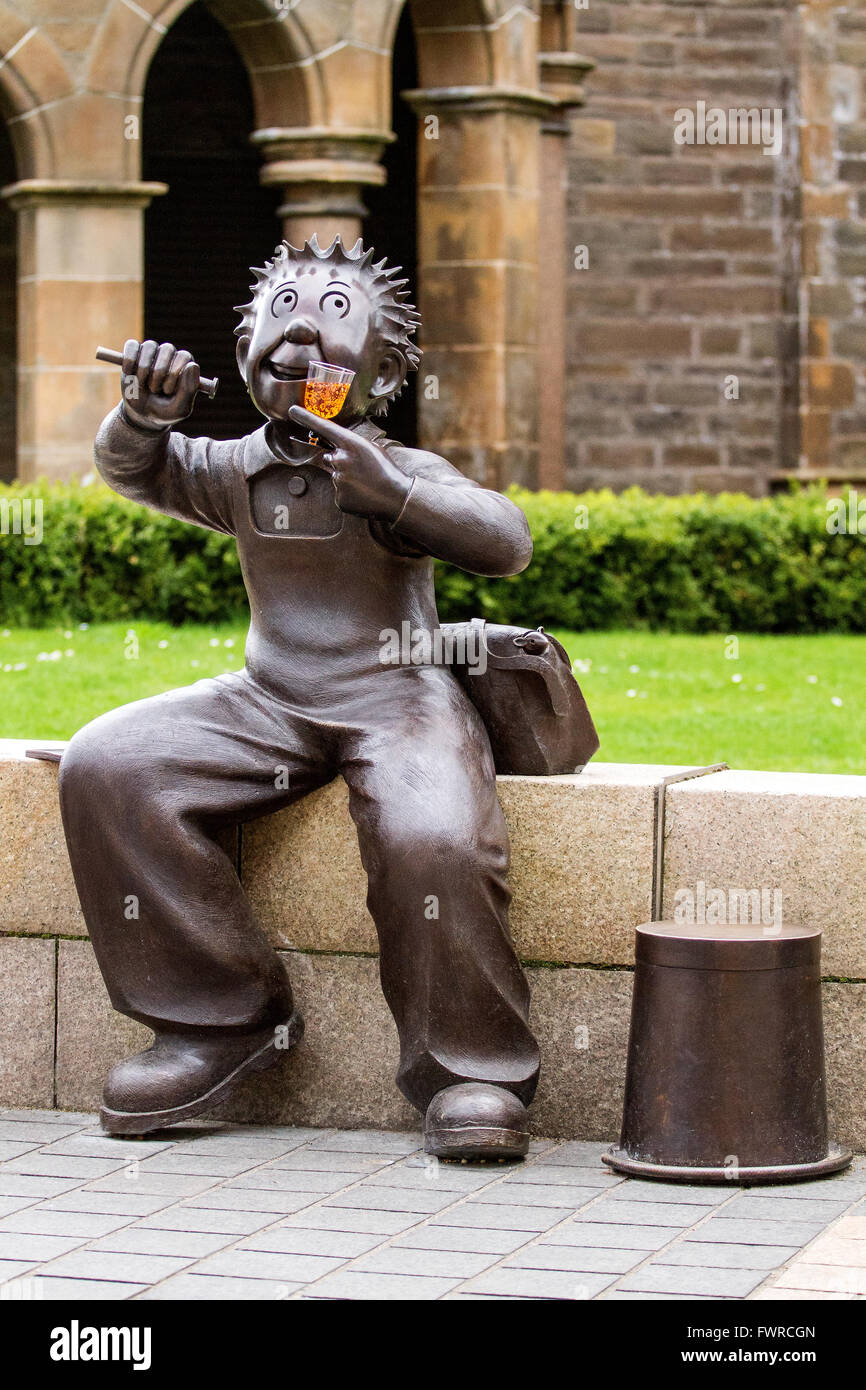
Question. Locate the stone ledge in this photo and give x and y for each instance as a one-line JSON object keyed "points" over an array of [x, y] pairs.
{"points": [[583, 863], [343, 1072]]}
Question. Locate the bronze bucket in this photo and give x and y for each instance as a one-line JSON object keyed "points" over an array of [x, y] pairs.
{"points": [[725, 1073]]}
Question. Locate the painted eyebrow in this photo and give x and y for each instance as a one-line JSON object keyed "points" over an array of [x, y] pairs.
{"points": [[341, 283]]}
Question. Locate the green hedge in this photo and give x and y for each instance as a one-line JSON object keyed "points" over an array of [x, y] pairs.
{"points": [[690, 564]]}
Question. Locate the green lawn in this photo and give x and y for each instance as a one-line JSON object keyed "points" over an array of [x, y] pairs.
{"points": [[793, 703]]}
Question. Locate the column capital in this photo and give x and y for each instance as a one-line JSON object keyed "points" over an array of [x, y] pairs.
{"points": [[521, 101], [561, 77], [42, 192], [322, 170]]}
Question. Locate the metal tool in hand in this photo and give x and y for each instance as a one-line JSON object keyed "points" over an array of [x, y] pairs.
{"points": [[208, 384]]}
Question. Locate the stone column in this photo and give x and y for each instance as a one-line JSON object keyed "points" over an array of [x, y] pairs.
{"points": [[832, 349], [561, 73], [322, 174], [478, 254], [80, 265]]}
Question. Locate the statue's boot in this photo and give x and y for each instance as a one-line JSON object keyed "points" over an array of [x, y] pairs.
{"points": [[476, 1120], [185, 1074]]}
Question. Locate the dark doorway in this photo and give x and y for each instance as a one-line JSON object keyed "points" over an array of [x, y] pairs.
{"points": [[8, 313], [392, 224], [215, 221]]}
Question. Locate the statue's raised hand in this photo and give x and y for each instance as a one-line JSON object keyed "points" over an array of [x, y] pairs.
{"points": [[159, 383], [366, 480]]}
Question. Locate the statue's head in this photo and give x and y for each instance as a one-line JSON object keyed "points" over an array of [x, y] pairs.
{"points": [[328, 306]]}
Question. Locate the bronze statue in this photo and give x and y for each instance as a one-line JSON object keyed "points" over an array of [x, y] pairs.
{"points": [[336, 529]]}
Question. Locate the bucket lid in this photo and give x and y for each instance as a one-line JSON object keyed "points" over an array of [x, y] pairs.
{"points": [[685, 946]]}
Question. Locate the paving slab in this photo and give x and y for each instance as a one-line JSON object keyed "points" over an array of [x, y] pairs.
{"points": [[143, 1240], [701, 1254], [204, 1165], [725, 1230], [501, 1216], [751, 1206], [776, 1295], [120, 1268], [39, 1163], [622, 1211], [38, 1221], [249, 1199], [355, 1285], [836, 1250], [128, 1204], [185, 1218], [589, 1259], [36, 1247], [13, 1269], [13, 1148], [451, 1264], [26, 1185], [318, 1160], [468, 1238], [559, 1174], [610, 1236], [406, 1199], [201, 1287], [267, 1264], [354, 1219], [298, 1240], [679, 1193], [135, 1177], [542, 1283], [825, 1278], [538, 1195], [84, 1290], [717, 1283]]}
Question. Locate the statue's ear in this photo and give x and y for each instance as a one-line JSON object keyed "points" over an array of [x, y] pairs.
{"points": [[393, 367], [242, 351]]}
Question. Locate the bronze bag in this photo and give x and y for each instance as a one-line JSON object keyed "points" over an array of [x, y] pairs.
{"points": [[520, 681]]}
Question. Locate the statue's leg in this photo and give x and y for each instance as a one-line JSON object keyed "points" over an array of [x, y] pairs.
{"points": [[144, 792], [435, 847]]}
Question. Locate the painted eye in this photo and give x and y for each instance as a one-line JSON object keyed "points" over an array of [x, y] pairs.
{"points": [[335, 302], [284, 302]]}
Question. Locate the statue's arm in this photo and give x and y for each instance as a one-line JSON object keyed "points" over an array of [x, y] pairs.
{"points": [[455, 519], [190, 479]]}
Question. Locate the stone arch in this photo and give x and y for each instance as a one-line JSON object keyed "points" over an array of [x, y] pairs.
{"points": [[471, 42], [273, 45], [32, 75]]}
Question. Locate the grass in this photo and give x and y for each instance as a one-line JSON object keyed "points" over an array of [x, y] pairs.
{"points": [[785, 703]]}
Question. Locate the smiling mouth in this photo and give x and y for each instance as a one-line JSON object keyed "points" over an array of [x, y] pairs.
{"points": [[286, 373]]}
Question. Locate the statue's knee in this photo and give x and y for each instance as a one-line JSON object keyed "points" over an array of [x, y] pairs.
{"points": [[82, 763], [96, 761]]}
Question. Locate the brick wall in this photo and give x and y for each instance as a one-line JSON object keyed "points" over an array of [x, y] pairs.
{"points": [[692, 249]]}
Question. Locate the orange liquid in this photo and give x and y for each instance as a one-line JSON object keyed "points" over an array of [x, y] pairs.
{"points": [[325, 398]]}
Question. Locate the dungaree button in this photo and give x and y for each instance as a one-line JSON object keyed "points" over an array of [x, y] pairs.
{"points": [[297, 485]]}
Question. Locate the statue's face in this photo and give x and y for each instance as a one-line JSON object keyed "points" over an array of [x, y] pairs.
{"points": [[316, 313]]}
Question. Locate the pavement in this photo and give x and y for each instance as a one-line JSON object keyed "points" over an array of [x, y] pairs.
{"points": [[224, 1211]]}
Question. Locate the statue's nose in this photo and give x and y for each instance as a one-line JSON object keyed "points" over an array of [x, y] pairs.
{"points": [[300, 331]]}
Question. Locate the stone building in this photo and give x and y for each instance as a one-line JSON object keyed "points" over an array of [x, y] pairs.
{"points": [[601, 303]]}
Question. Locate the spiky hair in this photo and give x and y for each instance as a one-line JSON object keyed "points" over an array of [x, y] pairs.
{"points": [[395, 317]]}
